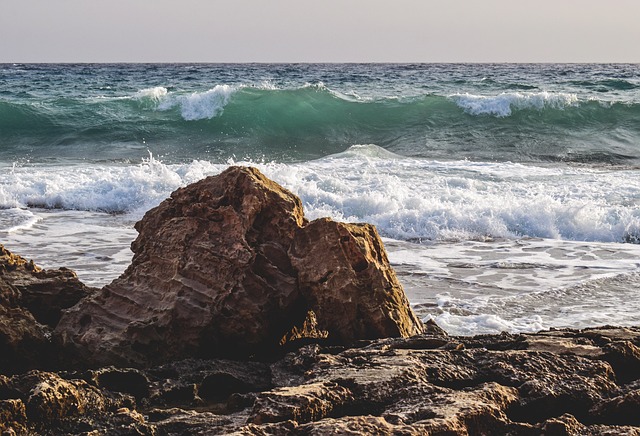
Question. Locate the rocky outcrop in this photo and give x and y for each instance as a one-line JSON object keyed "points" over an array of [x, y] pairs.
{"points": [[345, 277], [46, 403], [31, 304], [229, 266], [427, 384]]}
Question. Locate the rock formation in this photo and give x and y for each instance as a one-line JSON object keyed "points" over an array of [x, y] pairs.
{"points": [[345, 276], [562, 382], [229, 266], [31, 304]]}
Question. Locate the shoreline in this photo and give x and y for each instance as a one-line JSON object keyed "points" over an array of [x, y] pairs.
{"points": [[176, 347]]}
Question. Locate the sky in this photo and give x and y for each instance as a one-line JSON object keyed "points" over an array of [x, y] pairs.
{"points": [[320, 31]]}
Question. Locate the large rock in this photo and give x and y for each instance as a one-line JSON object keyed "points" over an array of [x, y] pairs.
{"points": [[344, 274], [214, 273], [31, 304]]}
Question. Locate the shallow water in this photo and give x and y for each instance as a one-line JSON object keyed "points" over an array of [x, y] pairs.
{"points": [[468, 287]]}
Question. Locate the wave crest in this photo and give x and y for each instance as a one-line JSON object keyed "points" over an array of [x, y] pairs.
{"points": [[154, 94], [200, 105], [504, 104]]}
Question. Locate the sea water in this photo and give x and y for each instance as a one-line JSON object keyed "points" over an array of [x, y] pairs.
{"points": [[508, 196]]}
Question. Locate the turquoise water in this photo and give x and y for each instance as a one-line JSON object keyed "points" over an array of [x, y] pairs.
{"points": [[508, 195], [518, 113]]}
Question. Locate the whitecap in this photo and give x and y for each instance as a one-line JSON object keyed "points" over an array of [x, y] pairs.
{"points": [[155, 94], [503, 105], [200, 105]]}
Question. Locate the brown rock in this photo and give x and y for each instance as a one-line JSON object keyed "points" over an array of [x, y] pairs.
{"points": [[13, 417], [53, 399], [344, 274], [212, 275], [31, 303], [44, 293], [565, 425], [46, 403], [624, 409], [381, 387], [304, 403], [23, 341]]}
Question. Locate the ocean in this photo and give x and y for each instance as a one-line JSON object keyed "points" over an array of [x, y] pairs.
{"points": [[508, 195]]}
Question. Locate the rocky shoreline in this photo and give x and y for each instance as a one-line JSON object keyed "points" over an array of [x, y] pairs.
{"points": [[238, 316]]}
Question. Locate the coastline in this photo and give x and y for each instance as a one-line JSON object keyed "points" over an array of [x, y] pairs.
{"points": [[568, 382], [352, 373]]}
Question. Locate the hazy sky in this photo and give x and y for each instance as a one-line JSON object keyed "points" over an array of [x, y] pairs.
{"points": [[319, 31]]}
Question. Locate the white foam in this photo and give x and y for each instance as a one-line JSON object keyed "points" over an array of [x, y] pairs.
{"points": [[200, 105], [503, 105], [126, 188], [593, 301], [155, 94], [418, 199], [14, 219], [408, 199], [478, 324]]}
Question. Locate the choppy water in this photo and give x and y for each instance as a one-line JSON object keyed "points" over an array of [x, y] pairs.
{"points": [[508, 195]]}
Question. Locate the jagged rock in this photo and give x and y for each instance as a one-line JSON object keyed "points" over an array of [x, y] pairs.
{"points": [[31, 303], [13, 417], [54, 405], [565, 425], [190, 422], [389, 386], [229, 266], [44, 293], [623, 409], [210, 275], [304, 403], [206, 381], [24, 343]]}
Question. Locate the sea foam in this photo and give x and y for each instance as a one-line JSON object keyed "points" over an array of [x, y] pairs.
{"points": [[155, 94], [15, 219], [407, 198], [199, 105], [503, 105]]}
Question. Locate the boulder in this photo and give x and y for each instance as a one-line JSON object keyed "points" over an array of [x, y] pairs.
{"points": [[345, 276], [31, 304], [40, 402], [229, 266], [44, 293]]}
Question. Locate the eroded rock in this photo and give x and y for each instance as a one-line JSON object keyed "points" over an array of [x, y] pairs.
{"points": [[417, 385], [31, 304], [345, 276], [229, 266], [46, 403]]}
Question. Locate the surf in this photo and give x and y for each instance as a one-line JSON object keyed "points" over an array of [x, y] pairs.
{"points": [[412, 199]]}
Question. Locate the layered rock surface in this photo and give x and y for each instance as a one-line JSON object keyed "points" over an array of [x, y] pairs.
{"points": [[230, 266]]}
